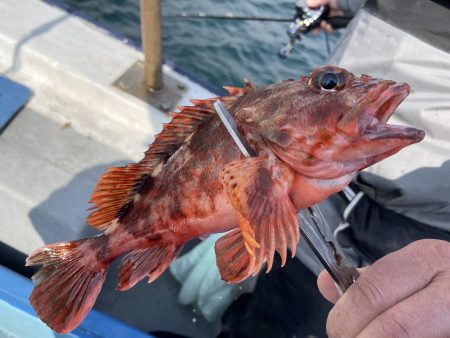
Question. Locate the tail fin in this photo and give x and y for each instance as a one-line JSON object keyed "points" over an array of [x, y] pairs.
{"points": [[69, 282]]}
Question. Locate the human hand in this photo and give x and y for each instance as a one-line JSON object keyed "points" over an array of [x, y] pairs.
{"points": [[334, 11], [404, 294]]}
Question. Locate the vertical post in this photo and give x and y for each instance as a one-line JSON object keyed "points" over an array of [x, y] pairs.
{"points": [[151, 42]]}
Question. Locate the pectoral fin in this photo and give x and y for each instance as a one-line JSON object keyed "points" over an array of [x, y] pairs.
{"points": [[258, 190]]}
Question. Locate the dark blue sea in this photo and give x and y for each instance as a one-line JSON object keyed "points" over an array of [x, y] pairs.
{"points": [[220, 52], [286, 302]]}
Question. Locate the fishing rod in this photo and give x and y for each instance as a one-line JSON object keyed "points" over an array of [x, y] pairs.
{"points": [[226, 16], [305, 20]]}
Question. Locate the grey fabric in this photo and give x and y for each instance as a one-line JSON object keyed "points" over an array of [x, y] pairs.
{"points": [[427, 20], [416, 181]]}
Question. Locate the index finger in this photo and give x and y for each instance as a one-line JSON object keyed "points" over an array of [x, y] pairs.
{"points": [[387, 282], [327, 286], [316, 3]]}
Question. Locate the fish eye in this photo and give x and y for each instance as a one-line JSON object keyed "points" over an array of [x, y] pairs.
{"points": [[328, 79]]}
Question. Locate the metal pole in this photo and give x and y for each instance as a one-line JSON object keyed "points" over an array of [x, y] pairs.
{"points": [[151, 42]]}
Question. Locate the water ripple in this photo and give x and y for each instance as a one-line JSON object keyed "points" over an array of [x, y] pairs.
{"points": [[218, 51]]}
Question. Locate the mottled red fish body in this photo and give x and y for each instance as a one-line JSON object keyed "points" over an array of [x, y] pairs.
{"points": [[311, 137]]}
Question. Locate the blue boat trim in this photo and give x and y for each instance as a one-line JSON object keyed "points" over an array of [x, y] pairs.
{"points": [[21, 318], [13, 96], [136, 45]]}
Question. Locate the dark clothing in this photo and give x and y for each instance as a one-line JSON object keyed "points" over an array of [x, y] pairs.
{"points": [[376, 231]]}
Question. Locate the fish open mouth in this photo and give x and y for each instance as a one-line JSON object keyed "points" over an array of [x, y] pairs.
{"points": [[373, 119], [371, 139]]}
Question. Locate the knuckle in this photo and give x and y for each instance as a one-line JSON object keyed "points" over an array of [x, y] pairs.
{"points": [[441, 250], [337, 323], [369, 290], [391, 326], [433, 250], [334, 328]]}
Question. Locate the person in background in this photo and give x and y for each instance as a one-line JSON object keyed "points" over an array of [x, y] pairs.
{"points": [[401, 224], [345, 8]]}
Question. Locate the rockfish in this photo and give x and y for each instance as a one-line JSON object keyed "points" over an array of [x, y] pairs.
{"points": [[311, 137]]}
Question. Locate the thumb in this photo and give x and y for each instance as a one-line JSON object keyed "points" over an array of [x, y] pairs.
{"points": [[328, 288]]}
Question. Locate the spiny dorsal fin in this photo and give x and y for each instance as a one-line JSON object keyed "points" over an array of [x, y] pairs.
{"points": [[238, 91], [117, 187]]}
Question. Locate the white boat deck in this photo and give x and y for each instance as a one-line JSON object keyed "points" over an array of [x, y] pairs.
{"points": [[75, 125]]}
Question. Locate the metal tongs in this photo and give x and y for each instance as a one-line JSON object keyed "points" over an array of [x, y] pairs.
{"points": [[313, 225]]}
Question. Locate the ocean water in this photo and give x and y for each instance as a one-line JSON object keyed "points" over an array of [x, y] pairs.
{"points": [[221, 52]]}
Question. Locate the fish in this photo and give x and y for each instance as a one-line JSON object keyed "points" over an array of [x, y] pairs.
{"points": [[311, 136]]}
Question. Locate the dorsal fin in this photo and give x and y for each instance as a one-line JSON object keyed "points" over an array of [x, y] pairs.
{"points": [[238, 91], [117, 187]]}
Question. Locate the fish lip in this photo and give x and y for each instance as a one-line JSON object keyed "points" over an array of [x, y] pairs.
{"points": [[395, 93], [376, 115], [388, 96], [375, 107]]}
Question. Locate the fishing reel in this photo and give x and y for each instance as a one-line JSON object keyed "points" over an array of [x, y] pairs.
{"points": [[305, 20]]}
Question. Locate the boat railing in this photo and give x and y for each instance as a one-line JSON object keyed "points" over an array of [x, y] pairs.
{"points": [[151, 43], [146, 80]]}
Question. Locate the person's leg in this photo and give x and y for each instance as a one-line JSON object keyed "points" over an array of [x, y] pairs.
{"points": [[375, 231]]}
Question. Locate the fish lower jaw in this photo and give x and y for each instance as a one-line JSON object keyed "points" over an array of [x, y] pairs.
{"points": [[390, 131], [378, 158]]}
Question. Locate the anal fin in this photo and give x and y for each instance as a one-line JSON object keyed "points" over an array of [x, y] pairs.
{"points": [[151, 262], [233, 259]]}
